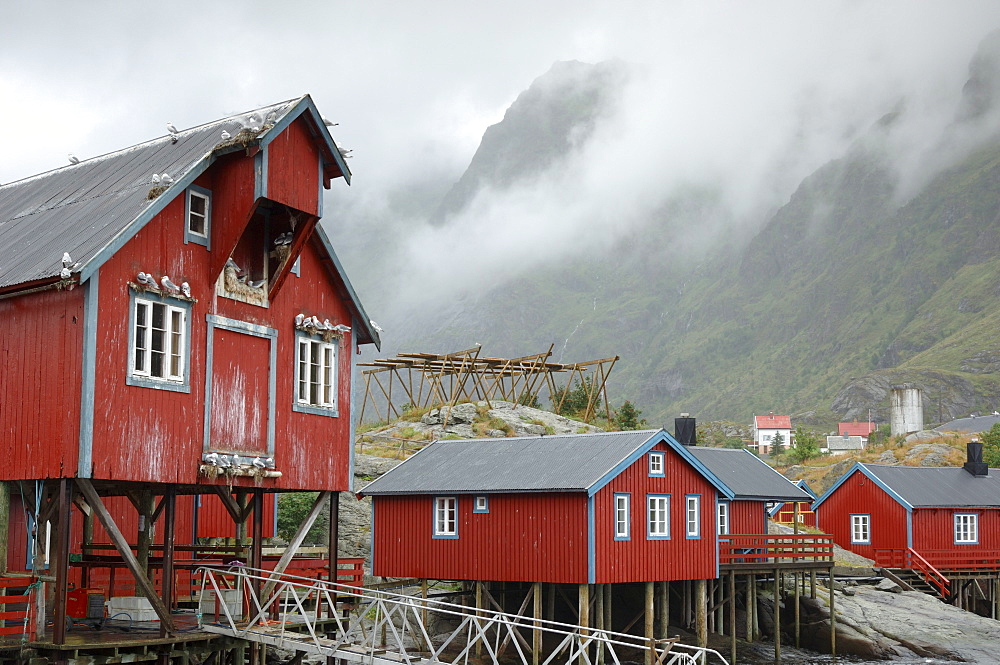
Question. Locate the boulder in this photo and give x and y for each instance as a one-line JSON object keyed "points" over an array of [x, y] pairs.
{"points": [[889, 585]]}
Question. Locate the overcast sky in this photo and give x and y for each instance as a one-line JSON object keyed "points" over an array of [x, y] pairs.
{"points": [[732, 91]]}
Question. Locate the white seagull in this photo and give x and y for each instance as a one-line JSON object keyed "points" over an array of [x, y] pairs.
{"points": [[65, 273], [225, 135], [330, 124], [269, 462], [166, 179], [258, 462], [73, 159], [212, 458], [168, 285], [171, 128], [186, 289], [155, 180], [68, 262], [376, 326], [327, 325], [147, 280], [340, 327], [299, 318], [258, 283]]}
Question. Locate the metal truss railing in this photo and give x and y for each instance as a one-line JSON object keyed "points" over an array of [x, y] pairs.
{"points": [[386, 627]]}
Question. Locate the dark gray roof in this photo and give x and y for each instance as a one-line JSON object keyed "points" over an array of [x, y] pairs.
{"points": [[747, 475], [971, 424], [929, 487], [563, 463]]}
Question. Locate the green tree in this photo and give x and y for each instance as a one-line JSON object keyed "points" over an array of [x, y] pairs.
{"points": [[777, 445], [734, 442], [573, 401], [627, 417], [293, 508], [991, 446], [806, 446]]}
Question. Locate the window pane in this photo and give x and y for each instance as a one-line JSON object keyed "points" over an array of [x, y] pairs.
{"points": [[176, 341], [140, 334]]}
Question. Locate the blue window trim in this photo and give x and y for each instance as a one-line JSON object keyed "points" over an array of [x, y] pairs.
{"points": [[328, 411], [696, 535], [650, 536], [954, 533], [193, 237], [868, 517], [475, 504], [628, 517], [434, 508], [296, 268], [660, 455], [131, 379]]}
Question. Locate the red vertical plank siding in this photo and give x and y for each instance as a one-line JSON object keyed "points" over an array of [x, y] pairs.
{"points": [[859, 495], [144, 434], [639, 558], [934, 529], [747, 517], [239, 392], [41, 347], [523, 537], [293, 169]]}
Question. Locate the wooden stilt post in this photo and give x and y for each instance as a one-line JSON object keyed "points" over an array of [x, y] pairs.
{"points": [[584, 614], [62, 561], [608, 614], [550, 603], [798, 611], [169, 520], [701, 612], [648, 632], [777, 615], [833, 620], [599, 620], [664, 610], [479, 613], [710, 594], [732, 617], [756, 609], [144, 539], [812, 584], [536, 634], [720, 607], [332, 550], [749, 610]]}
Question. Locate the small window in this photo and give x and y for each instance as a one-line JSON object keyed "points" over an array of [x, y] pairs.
{"points": [[446, 517], [861, 529], [658, 516], [766, 437], [315, 375], [622, 517], [692, 513], [966, 529], [723, 520], [198, 219], [656, 464], [158, 353], [482, 505]]}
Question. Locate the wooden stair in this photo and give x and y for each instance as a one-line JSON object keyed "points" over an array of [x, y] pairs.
{"points": [[911, 580]]}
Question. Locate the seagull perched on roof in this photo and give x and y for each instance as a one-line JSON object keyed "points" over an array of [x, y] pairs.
{"points": [[68, 262], [340, 327], [173, 132], [169, 286], [272, 117], [147, 280], [166, 179], [376, 326], [258, 462], [330, 124], [155, 180], [73, 159], [186, 289], [299, 318], [65, 273], [212, 458], [225, 135]]}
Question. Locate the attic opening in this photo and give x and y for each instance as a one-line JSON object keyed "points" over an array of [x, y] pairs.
{"points": [[262, 254]]}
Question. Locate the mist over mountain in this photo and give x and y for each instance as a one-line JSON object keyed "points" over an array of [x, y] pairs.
{"points": [[807, 278]]}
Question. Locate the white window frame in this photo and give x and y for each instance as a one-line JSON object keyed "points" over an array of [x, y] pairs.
{"points": [[190, 235], [861, 529], [316, 376], [446, 517], [170, 343], [481, 504], [692, 516], [658, 516], [623, 517], [966, 528], [722, 518], [657, 464]]}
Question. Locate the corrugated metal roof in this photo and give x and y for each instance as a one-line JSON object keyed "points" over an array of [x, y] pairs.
{"points": [[561, 463], [929, 487], [747, 475]]}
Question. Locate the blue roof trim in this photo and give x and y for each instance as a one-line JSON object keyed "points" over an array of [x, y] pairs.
{"points": [[324, 241], [660, 437], [306, 105], [154, 208], [858, 466], [591, 542]]}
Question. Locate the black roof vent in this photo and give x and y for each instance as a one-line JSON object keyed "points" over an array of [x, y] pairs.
{"points": [[974, 459], [684, 430]]}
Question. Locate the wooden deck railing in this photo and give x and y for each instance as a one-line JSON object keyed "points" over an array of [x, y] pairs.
{"points": [[928, 564], [775, 548]]}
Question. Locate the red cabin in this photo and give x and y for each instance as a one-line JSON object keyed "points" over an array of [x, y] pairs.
{"points": [[586, 509], [934, 520], [177, 337], [788, 512]]}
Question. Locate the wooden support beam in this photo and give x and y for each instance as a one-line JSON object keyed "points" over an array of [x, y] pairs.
{"points": [[701, 614], [777, 615], [536, 613], [63, 533], [732, 616], [798, 611], [168, 504], [584, 603], [293, 546], [123, 547], [664, 609], [649, 608], [833, 619]]}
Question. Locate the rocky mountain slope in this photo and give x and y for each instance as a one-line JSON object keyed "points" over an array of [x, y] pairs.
{"points": [[854, 284]]}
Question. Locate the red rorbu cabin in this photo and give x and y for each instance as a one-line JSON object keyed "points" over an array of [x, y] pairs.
{"points": [[789, 512], [177, 337], [942, 523]]}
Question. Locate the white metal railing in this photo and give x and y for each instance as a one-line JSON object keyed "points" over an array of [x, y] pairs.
{"points": [[287, 611]]}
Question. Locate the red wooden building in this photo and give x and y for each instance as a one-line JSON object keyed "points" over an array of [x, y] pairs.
{"points": [[939, 521], [589, 508], [177, 334], [788, 512]]}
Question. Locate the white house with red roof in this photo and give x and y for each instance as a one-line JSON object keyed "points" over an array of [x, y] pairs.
{"points": [[765, 428], [855, 428]]}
